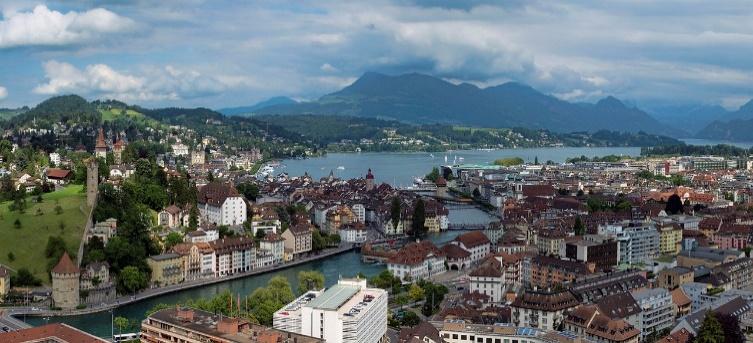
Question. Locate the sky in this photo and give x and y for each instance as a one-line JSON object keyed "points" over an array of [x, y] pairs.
{"points": [[231, 53]]}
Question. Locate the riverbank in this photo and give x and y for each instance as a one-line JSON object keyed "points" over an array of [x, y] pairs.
{"points": [[154, 292]]}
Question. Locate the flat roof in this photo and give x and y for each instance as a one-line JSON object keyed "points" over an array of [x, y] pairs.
{"points": [[334, 297]]}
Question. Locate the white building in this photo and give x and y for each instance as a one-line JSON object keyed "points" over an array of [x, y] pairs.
{"points": [[221, 204], [360, 211], [657, 310], [488, 279], [275, 244], [347, 312], [353, 234], [202, 236], [417, 261], [543, 310], [55, 159], [180, 149], [474, 242]]}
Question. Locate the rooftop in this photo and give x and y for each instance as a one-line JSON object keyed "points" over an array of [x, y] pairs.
{"points": [[334, 297]]}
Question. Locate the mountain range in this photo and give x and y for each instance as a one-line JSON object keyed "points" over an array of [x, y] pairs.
{"points": [[421, 98], [249, 110]]}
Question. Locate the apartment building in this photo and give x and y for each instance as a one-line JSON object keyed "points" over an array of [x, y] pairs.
{"points": [[348, 312]]}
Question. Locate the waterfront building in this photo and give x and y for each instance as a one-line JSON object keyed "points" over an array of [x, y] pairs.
{"points": [[221, 204], [657, 310], [50, 333], [233, 255], [298, 240], [193, 325], [65, 283], [417, 261], [96, 283], [355, 233], [542, 309], [198, 260], [348, 312], [275, 244], [167, 269]]}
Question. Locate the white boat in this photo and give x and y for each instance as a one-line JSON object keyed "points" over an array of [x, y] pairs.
{"points": [[340, 168]]}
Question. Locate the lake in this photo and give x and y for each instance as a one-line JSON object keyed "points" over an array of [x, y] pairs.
{"points": [[400, 168]]}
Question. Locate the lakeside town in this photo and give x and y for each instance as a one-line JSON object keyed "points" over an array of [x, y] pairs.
{"points": [[380, 171], [623, 251]]}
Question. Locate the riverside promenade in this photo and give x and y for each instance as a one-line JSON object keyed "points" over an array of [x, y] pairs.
{"points": [[11, 313]]}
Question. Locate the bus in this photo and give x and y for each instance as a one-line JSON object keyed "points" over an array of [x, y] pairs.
{"points": [[126, 337]]}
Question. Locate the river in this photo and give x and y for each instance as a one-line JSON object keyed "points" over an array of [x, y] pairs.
{"points": [[394, 168], [345, 265]]}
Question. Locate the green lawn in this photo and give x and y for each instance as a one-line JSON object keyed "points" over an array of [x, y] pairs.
{"points": [[28, 242], [110, 115]]}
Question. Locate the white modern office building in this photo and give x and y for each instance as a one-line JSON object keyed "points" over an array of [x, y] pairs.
{"points": [[348, 312]]}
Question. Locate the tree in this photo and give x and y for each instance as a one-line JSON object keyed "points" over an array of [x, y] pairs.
{"points": [[711, 331], [418, 227], [260, 234], [415, 292], [731, 327], [24, 277], [395, 211], [410, 319], [578, 227], [674, 204], [265, 301], [131, 279], [536, 160], [17, 223], [54, 250], [11, 256], [317, 241], [310, 280], [433, 175], [173, 239], [121, 323], [193, 217]]}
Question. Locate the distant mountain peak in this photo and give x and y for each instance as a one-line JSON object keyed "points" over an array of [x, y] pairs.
{"points": [[610, 101], [246, 110], [747, 107]]}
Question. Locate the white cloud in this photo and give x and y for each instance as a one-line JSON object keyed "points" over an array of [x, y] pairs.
{"points": [[163, 83], [43, 26], [326, 67], [3, 93]]}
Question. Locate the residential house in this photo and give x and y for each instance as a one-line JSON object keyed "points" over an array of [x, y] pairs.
{"points": [[417, 261], [542, 309], [167, 269]]}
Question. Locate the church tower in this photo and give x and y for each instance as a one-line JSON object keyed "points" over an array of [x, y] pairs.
{"points": [[100, 149], [92, 181], [369, 180]]}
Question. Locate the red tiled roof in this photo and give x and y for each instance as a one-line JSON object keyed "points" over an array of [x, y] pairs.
{"points": [[538, 190], [216, 193], [65, 265], [56, 173], [472, 239], [51, 332], [679, 336], [415, 253], [454, 252]]}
